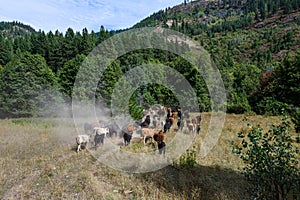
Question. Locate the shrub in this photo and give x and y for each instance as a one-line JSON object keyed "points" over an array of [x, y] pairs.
{"points": [[270, 106], [187, 160], [270, 160], [295, 116], [239, 104]]}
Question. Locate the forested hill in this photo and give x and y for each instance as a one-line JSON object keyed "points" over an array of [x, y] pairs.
{"points": [[248, 41], [254, 19], [253, 43], [15, 29]]}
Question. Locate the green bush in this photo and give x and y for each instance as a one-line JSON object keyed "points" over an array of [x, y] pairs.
{"points": [[238, 104], [270, 160], [270, 106], [296, 119], [136, 111], [187, 160]]}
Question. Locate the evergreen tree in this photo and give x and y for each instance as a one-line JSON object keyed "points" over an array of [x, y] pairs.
{"points": [[6, 50], [55, 58], [70, 45], [107, 82], [103, 34], [39, 43], [27, 87], [22, 44], [67, 74]]}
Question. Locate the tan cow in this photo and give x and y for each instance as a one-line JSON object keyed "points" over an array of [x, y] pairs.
{"points": [[148, 133]]}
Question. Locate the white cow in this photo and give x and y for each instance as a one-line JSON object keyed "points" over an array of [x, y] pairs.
{"points": [[100, 130], [99, 133], [191, 126], [82, 140]]}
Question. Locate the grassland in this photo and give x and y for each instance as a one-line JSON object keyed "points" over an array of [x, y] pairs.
{"points": [[38, 161]]}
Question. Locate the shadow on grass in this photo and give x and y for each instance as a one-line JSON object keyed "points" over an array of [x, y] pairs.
{"points": [[199, 182]]}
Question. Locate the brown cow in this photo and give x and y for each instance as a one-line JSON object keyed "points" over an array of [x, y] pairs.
{"points": [[174, 114], [172, 120], [159, 136]]}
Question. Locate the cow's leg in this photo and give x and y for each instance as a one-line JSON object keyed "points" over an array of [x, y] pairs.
{"points": [[198, 128], [129, 139], [78, 148], [95, 145]]}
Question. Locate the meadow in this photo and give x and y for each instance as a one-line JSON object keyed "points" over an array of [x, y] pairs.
{"points": [[38, 161]]}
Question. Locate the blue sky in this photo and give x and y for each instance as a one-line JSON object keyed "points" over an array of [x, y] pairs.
{"points": [[78, 14]]}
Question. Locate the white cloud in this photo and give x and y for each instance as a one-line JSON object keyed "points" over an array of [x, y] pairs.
{"points": [[78, 14]]}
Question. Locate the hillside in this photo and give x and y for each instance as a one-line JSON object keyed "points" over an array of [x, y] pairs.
{"points": [[245, 38], [254, 44], [210, 21], [12, 30]]}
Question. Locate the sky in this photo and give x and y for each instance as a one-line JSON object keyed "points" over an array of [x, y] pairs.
{"points": [[60, 15]]}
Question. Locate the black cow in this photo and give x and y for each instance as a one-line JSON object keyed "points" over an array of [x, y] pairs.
{"points": [[127, 134], [198, 128], [180, 124], [169, 112], [127, 137], [167, 125], [146, 122], [99, 139], [161, 147], [113, 129]]}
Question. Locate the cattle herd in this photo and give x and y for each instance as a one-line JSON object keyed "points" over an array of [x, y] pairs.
{"points": [[155, 123]]}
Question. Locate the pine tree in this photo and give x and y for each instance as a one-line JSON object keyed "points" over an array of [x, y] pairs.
{"points": [[70, 47], [6, 51]]}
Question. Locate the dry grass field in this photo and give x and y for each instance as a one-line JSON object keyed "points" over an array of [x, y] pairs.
{"points": [[38, 161]]}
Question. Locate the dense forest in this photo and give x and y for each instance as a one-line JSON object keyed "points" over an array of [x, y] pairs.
{"points": [[253, 43]]}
